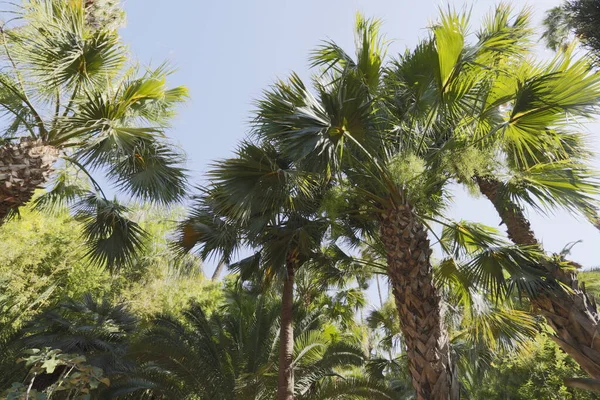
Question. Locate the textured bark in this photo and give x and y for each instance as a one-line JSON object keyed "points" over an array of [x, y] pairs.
{"points": [[418, 303], [104, 14], [285, 385], [573, 316], [25, 166]]}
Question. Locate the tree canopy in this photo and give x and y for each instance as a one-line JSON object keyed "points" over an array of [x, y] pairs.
{"points": [[348, 278]]}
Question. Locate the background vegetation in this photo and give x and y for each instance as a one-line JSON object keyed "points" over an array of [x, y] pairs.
{"points": [[340, 190]]}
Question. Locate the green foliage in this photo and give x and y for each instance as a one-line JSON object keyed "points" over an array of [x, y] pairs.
{"points": [[160, 280], [573, 19], [41, 252], [591, 280], [76, 379], [236, 351], [46, 252], [45, 273], [97, 329], [537, 372], [161, 291]]}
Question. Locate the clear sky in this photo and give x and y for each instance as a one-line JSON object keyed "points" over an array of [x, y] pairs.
{"points": [[227, 52]]}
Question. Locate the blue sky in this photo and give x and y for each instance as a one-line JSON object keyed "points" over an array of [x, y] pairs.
{"points": [[227, 52]]}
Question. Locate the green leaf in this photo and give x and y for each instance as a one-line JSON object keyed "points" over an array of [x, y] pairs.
{"points": [[450, 41], [51, 364]]}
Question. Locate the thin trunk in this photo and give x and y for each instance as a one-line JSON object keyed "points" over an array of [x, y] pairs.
{"points": [[418, 303], [379, 291], [517, 226], [218, 271], [285, 386], [25, 166], [573, 316], [29, 387]]}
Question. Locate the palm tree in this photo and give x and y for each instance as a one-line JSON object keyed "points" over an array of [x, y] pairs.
{"points": [[392, 139], [523, 150], [560, 178], [498, 122], [574, 19], [483, 323], [260, 200], [344, 133], [67, 93], [233, 355]]}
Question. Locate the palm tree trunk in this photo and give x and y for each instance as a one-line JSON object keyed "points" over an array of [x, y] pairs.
{"points": [[285, 386], [218, 271], [25, 166], [379, 290], [573, 316], [418, 303], [103, 14]]}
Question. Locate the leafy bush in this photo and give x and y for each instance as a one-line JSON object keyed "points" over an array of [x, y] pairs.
{"points": [[538, 372]]}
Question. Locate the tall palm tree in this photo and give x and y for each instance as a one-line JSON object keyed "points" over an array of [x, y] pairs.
{"points": [[557, 176], [482, 322], [344, 132], [387, 137], [67, 94], [498, 122], [524, 149], [261, 200]]}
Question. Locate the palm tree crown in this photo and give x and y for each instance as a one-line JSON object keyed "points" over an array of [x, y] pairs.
{"points": [[68, 93]]}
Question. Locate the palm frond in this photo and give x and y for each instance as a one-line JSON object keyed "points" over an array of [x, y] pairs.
{"points": [[260, 181], [293, 117], [545, 186], [465, 238], [548, 97], [449, 36], [152, 172], [352, 389], [498, 328], [504, 269], [204, 227], [504, 36], [114, 239], [58, 49], [370, 53], [66, 188]]}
